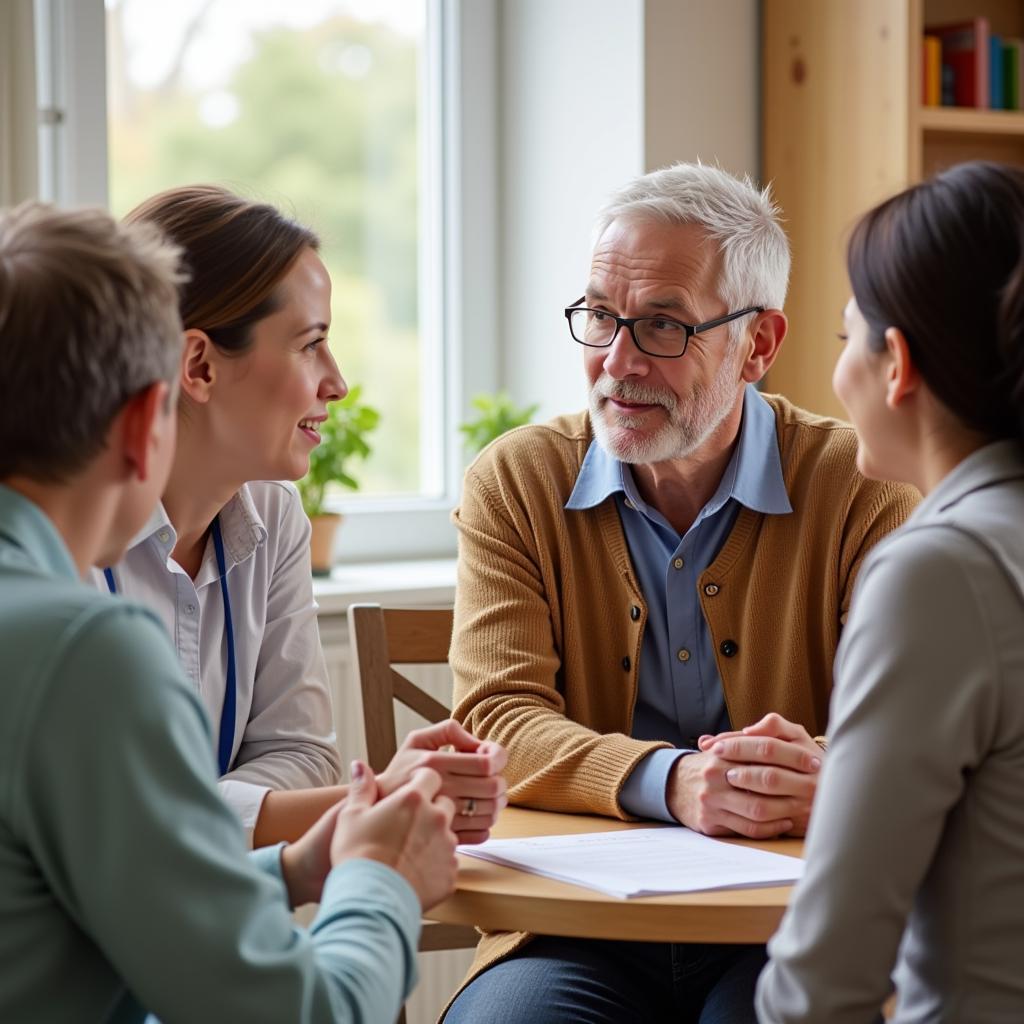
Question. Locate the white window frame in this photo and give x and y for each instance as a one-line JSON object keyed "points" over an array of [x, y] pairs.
{"points": [[458, 276]]}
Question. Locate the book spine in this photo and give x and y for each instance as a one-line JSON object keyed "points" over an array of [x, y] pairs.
{"points": [[996, 100], [1011, 74], [932, 68]]}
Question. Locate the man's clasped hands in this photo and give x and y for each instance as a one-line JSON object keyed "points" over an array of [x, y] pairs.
{"points": [[756, 782]]}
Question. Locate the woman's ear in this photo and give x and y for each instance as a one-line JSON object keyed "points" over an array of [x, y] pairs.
{"points": [[901, 375], [198, 366]]}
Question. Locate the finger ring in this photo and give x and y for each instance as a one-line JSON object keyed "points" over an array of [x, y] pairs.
{"points": [[470, 808]]}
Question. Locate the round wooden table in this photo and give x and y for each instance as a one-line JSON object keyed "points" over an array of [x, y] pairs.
{"points": [[497, 898]]}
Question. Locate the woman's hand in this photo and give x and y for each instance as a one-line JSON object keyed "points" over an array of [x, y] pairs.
{"points": [[409, 830], [470, 774], [305, 863]]}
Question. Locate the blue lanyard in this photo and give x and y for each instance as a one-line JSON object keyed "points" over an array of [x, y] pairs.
{"points": [[226, 739]]}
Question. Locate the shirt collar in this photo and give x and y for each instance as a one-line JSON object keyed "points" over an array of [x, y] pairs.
{"points": [[241, 527], [24, 525], [993, 464], [753, 476], [758, 481]]}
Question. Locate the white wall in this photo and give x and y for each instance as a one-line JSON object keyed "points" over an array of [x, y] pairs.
{"points": [[592, 93], [571, 130]]}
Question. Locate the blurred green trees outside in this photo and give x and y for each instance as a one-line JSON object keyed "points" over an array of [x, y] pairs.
{"points": [[324, 122]]}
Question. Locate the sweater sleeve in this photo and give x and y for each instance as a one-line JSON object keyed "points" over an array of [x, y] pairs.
{"points": [[506, 660], [875, 511]]}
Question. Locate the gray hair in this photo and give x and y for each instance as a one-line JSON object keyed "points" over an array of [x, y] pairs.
{"points": [[742, 220], [88, 319]]}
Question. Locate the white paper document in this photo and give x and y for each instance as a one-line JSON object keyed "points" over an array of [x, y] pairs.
{"points": [[642, 862]]}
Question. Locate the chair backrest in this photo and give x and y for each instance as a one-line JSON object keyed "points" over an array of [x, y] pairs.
{"points": [[382, 638]]}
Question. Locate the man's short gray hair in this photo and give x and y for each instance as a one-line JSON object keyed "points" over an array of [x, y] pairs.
{"points": [[741, 219], [88, 318]]}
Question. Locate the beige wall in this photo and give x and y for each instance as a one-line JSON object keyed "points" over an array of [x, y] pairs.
{"points": [[701, 83], [592, 93], [18, 130]]}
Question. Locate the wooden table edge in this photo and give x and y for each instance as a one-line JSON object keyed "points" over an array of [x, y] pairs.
{"points": [[493, 897]]}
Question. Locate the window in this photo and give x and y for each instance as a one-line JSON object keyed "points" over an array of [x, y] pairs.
{"points": [[319, 107], [355, 116]]}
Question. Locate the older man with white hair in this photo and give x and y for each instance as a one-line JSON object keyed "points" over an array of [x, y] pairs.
{"points": [[651, 593]]}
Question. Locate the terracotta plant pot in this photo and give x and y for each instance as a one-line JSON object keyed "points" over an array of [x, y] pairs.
{"points": [[321, 543]]}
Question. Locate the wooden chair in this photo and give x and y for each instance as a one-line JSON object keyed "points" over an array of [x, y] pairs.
{"points": [[381, 638]]}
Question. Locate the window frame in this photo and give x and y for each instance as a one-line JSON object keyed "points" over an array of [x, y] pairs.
{"points": [[458, 255]]}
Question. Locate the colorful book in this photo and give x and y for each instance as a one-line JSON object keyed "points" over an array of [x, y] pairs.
{"points": [[931, 67], [1013, 68], [995, 73], [948, 86], [966, 50]]}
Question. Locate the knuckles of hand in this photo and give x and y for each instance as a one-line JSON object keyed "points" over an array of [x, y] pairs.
{"points": [[758, 810], [413, 799]]}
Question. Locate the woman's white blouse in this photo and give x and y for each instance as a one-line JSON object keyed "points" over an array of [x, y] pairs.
{"points": [[284, 733]]}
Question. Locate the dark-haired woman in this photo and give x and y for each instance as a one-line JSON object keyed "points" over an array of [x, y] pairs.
{"points": [[918, 829], [225, 558]]}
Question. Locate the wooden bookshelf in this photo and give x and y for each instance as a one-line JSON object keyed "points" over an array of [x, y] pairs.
{"points": [[843, 127], [937, 121]]}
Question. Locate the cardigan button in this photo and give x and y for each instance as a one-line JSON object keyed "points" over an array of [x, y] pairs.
{"points": [[634, 612], [626, 663], [729, 648], [711, 589]]}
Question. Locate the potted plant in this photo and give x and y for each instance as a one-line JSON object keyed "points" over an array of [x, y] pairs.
{"points": [[497, 413], [342, 440]]}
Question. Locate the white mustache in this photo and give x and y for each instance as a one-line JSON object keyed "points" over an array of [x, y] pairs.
{"points": [[631, 391]]}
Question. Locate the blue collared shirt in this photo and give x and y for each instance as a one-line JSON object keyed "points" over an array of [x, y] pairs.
{"points": [[679, 695]]}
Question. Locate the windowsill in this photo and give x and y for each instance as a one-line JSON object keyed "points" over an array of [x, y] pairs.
{"points": [[417, 583]]}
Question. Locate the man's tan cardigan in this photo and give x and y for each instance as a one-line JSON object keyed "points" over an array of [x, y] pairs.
{"points": [[549, 615]]}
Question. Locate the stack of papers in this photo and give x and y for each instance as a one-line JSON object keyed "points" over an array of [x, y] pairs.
{"points": [[642, 862]]}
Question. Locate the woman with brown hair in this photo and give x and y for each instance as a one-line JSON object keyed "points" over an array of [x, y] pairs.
{"points": [[915, 852], [225, 558]]}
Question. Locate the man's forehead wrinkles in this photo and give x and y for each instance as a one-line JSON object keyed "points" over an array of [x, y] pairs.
{"points": [[611, 258], [659, 281]]}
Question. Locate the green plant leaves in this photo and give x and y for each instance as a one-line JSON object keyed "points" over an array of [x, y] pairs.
{"points": [[342, 441], [498, 413]]}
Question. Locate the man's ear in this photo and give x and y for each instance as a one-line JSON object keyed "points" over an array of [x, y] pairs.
{"points": [[763, 344], [901, 375], [144, 420], [198, 366]]}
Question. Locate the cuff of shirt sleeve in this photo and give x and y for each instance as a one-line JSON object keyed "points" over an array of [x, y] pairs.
{"points": [[268, 860], [245, 799], [370, 885], [643, 793]]}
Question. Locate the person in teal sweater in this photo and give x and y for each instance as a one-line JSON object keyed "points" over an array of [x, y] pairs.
{"points": [[125, 888]]}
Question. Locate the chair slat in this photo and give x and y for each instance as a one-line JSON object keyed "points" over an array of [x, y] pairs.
{"points": [[382, 637], [413, 697], [418, 636]]}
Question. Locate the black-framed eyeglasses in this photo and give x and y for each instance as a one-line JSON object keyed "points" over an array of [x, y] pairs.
{"points": [[658, 336]]}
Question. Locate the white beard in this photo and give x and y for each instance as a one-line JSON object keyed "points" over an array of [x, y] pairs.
{"points": [[689, 424]]}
